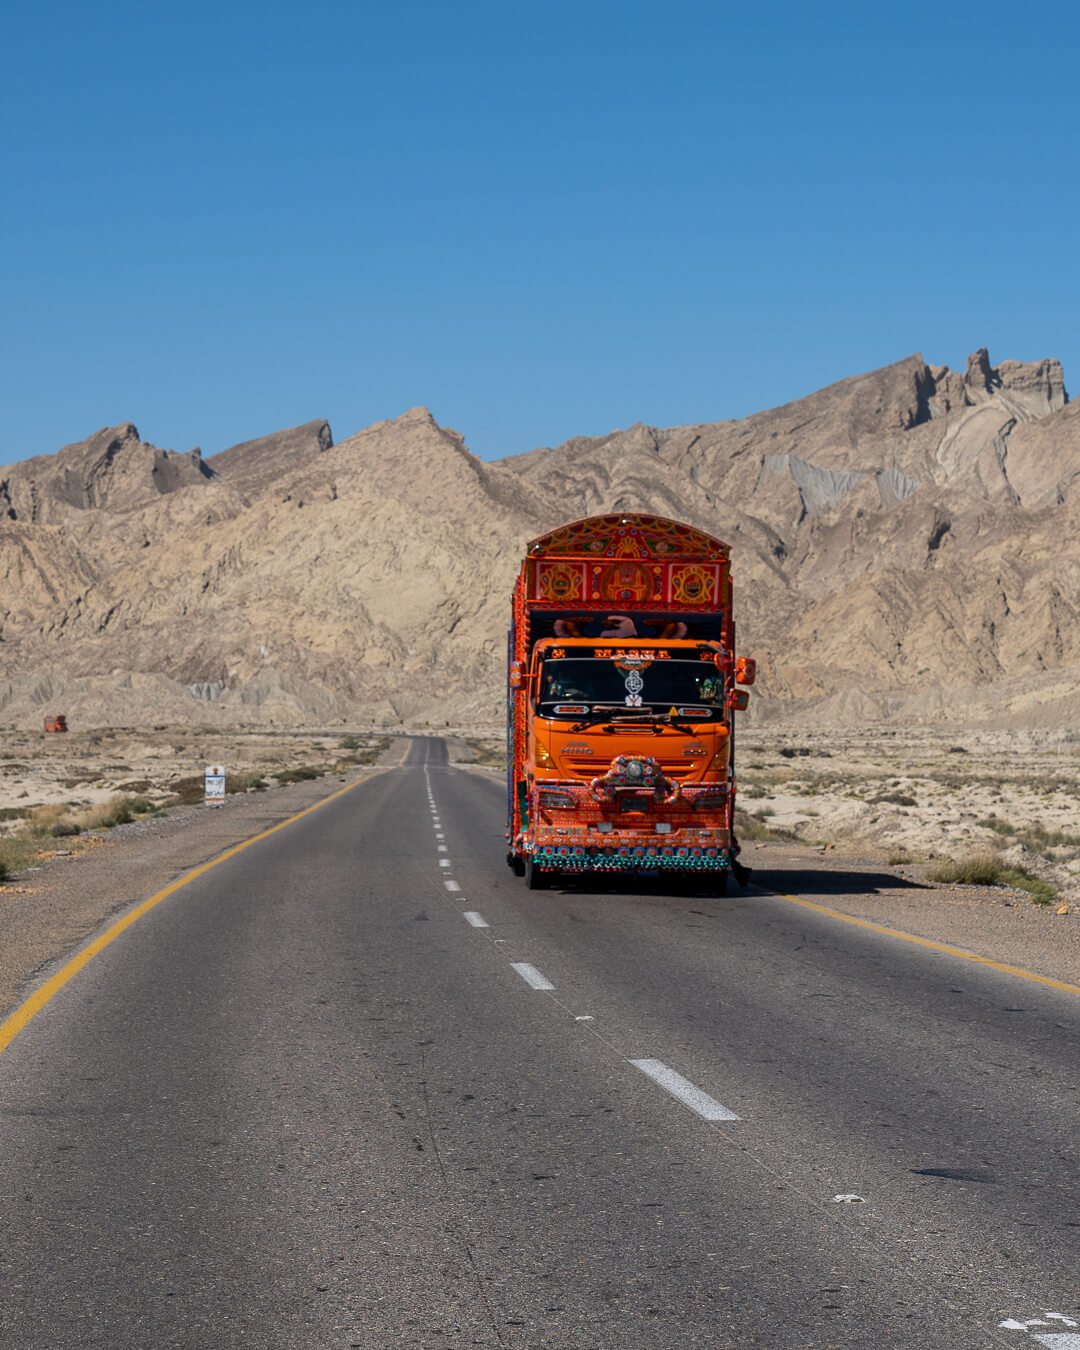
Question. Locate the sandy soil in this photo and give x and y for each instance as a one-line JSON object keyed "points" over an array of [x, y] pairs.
{"points": [[87, 767], [918, 798]]}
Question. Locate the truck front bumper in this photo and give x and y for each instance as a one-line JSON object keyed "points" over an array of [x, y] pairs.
{"points": [[630, 857]]}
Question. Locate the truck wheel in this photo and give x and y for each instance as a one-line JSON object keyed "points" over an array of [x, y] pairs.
{"points": [[535, 879], [516, 863]]}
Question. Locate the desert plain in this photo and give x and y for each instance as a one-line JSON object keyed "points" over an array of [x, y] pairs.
{"points": [[85, 768]]}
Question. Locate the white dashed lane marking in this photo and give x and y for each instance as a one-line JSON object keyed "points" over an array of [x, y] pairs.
{"points": [[683, 1090], [1046, 1320], [451, 886], [477, 920], [531, 975]]}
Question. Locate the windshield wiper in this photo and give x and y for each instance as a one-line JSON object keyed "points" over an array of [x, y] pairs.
{"points": [[592, 719], [661, 720], [628, 716]]}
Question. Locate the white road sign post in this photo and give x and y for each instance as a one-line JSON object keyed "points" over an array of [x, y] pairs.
{"points": [[214, 794]]}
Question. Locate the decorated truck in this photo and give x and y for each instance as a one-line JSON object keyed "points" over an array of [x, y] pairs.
{"points": [[621, 704]]}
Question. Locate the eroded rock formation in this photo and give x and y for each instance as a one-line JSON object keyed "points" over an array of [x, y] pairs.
{"points": [[902, 544]]}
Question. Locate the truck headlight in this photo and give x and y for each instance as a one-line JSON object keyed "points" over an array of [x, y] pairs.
{"points": [[552, 799]]}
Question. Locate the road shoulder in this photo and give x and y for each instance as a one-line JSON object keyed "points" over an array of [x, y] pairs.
{"points": [[994, 922], [47, 913]]}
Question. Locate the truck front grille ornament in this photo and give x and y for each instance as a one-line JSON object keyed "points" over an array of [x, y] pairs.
{"points": [[635, 683]]}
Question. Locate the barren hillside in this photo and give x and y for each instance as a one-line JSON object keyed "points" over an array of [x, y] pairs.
{"points": [[903, 546]]}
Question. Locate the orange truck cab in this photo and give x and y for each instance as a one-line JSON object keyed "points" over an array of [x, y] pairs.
{"points": [[621, 702]]}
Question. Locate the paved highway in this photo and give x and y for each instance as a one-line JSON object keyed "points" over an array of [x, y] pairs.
{"points": [[357, 1087]]}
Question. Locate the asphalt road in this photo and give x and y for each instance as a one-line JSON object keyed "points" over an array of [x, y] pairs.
{"points": [[323, 1096]]}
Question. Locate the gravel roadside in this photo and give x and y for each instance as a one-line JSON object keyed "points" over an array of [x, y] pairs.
{"points": [[995, 922]]}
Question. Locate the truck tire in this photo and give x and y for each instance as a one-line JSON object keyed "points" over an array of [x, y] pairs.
{"points": [[535, 879], [516, 863]]}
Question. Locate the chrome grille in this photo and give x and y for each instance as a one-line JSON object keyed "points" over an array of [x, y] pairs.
{"points": [[591, 766]]}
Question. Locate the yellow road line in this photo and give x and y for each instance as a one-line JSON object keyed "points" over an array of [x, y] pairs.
{"points": [[942, 947], [30, 1007]]}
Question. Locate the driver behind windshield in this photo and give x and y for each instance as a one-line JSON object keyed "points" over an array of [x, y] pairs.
{"points": [[564, 687]]}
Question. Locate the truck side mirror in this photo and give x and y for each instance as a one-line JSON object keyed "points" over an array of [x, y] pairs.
{"points": [[517, 674], [745, 670], [739, 700]]}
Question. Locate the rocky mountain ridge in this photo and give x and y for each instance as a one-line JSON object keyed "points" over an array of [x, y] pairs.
{"points": [[112, 470], [900, 544]]}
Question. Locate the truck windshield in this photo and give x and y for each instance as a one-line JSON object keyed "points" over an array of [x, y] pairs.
{"points": [[572, 687]]}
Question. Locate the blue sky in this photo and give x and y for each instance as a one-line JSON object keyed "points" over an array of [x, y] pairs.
{"points": [[539, 221]]}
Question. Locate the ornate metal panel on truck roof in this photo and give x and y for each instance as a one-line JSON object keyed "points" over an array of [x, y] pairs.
{"points": [[627, 560], [629, 536]]}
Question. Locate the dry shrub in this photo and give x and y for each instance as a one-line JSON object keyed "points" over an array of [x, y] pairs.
{"points": [[983, 868], [60, 821], [116, 811], [187, 791], [15, 853], [987, 868], [1035, 836], [303, 773], [748, 826], [43, 820]]}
